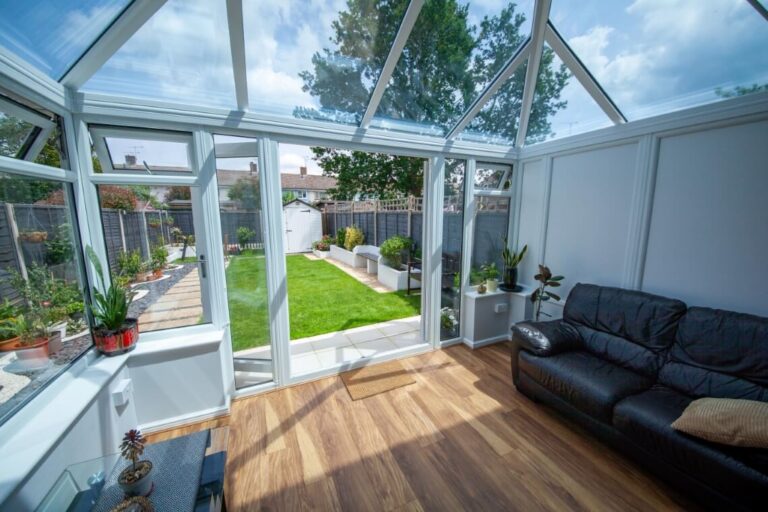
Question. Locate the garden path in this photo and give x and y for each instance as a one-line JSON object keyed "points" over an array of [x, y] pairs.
{"points": [[181, 305]]}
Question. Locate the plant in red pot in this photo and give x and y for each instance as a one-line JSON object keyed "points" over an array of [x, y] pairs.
{"points": [[115, 333]]}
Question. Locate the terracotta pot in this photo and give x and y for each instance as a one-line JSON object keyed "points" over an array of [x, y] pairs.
{"points": [[10, 344], [35, 350], [157, 274], [34, 236]]}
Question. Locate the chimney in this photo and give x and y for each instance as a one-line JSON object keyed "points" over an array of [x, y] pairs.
{"points": [[130, 160], [303, 171]]}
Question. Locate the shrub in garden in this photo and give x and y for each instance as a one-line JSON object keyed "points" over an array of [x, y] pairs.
{"points": [[129, 264], [324, 244], [159, 258], [394, 248], [244, 236], [341, 234], [353, 237]]}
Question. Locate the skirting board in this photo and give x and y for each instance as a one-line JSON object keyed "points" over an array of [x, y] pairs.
{"points": [[185, 419], [488, 341]]}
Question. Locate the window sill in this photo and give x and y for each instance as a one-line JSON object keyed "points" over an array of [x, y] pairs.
{"points": [[57, 408]]}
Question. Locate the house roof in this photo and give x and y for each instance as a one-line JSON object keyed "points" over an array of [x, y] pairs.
{"points": [[227, 178]]}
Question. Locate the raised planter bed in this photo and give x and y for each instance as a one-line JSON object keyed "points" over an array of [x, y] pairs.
{"points": [[345, 256], [395, 279], [321, 254]]}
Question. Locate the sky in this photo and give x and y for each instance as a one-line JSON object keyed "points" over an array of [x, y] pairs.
{"points": [[651, 56]]}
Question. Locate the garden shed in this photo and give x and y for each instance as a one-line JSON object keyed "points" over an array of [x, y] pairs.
{"points": [[303, 225]]}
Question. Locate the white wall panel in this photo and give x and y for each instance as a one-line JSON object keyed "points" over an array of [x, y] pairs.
{"points": [[589, 215], [709, 226], [531, 210]]}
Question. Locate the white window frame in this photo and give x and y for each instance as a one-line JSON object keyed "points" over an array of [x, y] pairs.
{"points": [[45, 125]]}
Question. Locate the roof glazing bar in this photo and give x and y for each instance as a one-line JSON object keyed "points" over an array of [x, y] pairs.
{"points": [[409, 19], [127, 23], [507, 71], [582, 74], [759, 8], [237, 48], [540, 17]]}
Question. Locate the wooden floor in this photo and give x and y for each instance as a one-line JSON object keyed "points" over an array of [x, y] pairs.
{"points": [[460, 438]]}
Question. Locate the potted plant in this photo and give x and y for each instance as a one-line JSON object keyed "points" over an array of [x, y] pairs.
{"points": [[136, 479], [541, 294], [491, 274], [159, 261], [511, 261], [154, 223], [448, 321], [33, 236], [393, 250], [29, 339], [9, 325], [115, 333]]}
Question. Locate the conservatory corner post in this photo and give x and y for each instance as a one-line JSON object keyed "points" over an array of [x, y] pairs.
{"points": [[434, 178]]}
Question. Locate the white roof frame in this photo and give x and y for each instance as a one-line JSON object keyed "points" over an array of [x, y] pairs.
{"points": [[237, 49], [139, 12], [115, 36], [540, 17]]}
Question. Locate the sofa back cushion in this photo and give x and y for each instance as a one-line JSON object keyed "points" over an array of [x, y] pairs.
{"points": [[629, 328], [719, 354]]}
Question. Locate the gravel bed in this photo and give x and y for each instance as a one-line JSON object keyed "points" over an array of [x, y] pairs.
{"points": [[157, 289]]}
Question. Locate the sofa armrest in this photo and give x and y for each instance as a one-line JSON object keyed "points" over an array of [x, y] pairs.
{"points": [[542, 339]]}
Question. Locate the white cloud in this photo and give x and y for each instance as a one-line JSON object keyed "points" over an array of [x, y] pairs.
{"points": [[292, 157]]}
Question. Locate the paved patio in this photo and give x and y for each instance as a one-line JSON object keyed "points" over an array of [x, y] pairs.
{"points": [[328, 350]]}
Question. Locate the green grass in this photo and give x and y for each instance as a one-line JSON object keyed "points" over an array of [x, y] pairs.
{"points": [[321, 299]]}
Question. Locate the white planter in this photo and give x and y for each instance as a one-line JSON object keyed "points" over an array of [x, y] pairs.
{"points": [[344, 256], [395, 279], [492, 284], [321, 254]]}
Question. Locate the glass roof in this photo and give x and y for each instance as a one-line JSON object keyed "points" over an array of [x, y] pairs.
{"points": [[28, 29], [454, 51], [561, 106], [321, 59], [654, 56], [180, 55], [318, 62]]}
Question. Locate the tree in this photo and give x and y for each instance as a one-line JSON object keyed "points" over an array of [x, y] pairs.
{"points": [[370, 174], [117, 198], [288, 197], [178, 193], [740, 90], [246, 192], [13, 135], [444, 63]]}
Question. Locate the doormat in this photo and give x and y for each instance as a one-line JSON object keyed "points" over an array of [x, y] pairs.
{"points": [[375, 379]]}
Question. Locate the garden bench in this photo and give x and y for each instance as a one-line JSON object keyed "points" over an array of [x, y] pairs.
{"points": [[372, 265]]}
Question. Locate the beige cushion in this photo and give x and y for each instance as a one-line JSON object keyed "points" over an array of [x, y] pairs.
{"points": [[727, 421]]}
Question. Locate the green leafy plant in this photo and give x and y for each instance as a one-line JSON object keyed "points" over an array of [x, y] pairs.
{"points": [[541, 294], [9, 327], [46, 297], [457, 280], [110, 304], [353, 237], [394, 248], [129, 264], [476, 276], [512, 259], [341, 234], [244, 235], [154, 223], [31, 328], [59, 249], [159, 258], [169, 221], [490, 271]]}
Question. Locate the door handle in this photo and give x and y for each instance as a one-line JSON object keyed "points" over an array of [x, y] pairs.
{"points": [[201, 262]]}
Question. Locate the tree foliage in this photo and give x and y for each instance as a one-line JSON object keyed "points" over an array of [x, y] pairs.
{"points": [[246, 192], [178, 193], [117, 198], [442, 67], [370, 174]]}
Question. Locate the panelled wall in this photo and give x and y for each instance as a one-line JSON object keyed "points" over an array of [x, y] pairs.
{"points": [[682, 214]]}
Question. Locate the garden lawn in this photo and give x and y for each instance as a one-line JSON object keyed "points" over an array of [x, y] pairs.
{"points": [[321, 299]]}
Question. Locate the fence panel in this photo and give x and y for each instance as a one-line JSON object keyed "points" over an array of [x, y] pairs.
{"points": [[8, 258]]}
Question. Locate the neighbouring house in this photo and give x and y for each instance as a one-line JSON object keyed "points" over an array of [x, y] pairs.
{"points": [[310, 188]]}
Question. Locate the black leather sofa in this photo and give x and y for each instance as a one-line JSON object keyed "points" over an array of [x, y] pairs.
{"points": [[625, 364]]}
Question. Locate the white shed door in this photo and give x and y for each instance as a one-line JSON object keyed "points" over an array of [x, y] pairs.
{"points": [[302, 227]]}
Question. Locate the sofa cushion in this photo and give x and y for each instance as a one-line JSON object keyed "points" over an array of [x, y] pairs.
{"points": [[727, 421], [590, 384], [646, 418], [629, 328], [719, 354]]}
